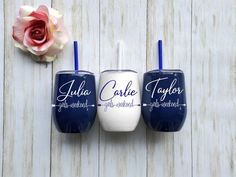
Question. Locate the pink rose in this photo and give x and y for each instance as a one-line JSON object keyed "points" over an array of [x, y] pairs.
{"points": [[40, 31]]}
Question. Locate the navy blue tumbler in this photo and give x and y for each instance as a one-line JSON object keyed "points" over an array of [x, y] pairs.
{"points": [[164, 105], [74, 106]]}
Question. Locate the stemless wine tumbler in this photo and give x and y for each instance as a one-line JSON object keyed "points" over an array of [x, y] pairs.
{"points": [[119, 100], [74, 105], [164, 100]]}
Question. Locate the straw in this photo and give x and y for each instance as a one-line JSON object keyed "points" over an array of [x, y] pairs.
{"points": [[76, 56], [120, 54], [160, 54]]}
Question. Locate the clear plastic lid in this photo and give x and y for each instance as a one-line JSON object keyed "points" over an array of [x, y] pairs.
{"points": [[165, 71], [79, 72], [119, 70]]}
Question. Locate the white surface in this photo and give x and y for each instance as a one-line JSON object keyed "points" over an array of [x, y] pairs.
{"points": [[2, 81], [199, 36], [27, 124]]}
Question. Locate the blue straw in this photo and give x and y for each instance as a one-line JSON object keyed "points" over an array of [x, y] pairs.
{"points": [[76, 56], [160, 54]]}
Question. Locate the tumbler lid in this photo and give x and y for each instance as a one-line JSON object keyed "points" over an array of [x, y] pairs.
{"points": [[119, 70], [165, 71], [78, 72]]}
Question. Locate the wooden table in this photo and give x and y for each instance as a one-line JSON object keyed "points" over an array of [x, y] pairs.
{"points": [[199, 37]]}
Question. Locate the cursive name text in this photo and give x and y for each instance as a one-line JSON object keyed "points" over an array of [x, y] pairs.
{"points": [[111, 85], [66, 90], [163, 91]]}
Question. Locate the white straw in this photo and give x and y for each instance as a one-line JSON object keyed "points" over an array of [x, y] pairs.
{"points": [[120, 56]]}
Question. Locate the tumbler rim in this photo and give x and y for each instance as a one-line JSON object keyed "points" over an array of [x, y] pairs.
{"points": [[165, 70], [119, 70], [74, 72]]}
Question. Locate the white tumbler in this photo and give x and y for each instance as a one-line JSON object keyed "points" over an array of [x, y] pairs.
{"points": [[119, 100]]}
